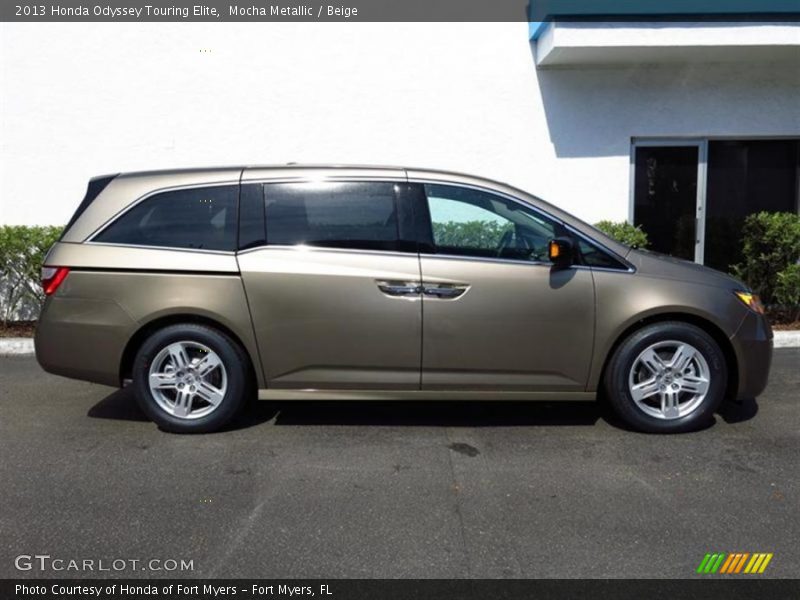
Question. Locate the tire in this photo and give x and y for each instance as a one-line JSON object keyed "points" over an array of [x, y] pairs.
{"points": [[655, 388], [200, 378]]}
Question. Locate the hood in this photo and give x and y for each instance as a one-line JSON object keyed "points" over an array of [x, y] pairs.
{"points": [[663, 266]]}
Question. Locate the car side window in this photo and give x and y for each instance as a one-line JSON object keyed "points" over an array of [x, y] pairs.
{"points": [[592, 256], [357, 215], [469, 222], [201, 218]]}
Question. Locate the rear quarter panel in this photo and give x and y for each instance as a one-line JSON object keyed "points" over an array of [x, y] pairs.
{"points": [[112, 292]]}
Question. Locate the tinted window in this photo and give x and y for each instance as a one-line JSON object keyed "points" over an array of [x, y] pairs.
{"points": [[202, 218], [252, 232], [593, 256], [337, 215], [470, 222]]}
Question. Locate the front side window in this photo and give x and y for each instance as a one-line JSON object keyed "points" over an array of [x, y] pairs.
{"points": [[592, 256], [196, 218], [469, 222], [360, 216]]}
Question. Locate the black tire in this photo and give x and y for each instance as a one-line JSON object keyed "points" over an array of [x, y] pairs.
{"points": [[622, 361], [233, 358]]}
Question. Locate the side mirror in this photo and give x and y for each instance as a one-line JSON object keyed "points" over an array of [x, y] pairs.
{"points": [[560, 251]]}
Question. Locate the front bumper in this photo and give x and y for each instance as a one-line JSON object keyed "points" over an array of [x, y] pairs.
{"points": [[753, 346]]}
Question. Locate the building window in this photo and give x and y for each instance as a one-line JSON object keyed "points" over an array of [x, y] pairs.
{"points": [[746, 177], [692, 196]]}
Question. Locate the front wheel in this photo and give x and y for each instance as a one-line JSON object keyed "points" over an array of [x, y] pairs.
{"points": [[190, 378], [667, 378]]}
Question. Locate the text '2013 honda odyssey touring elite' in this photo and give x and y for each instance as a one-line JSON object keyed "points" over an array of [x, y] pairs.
{"points": [[205, 287]]}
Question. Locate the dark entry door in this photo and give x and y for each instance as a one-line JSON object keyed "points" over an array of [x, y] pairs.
{"points": [[666, 198]]}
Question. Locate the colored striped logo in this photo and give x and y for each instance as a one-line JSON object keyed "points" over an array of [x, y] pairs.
{"points": [[737, 562]]}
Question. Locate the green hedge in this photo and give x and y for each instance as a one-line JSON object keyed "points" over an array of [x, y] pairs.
{"points": [[470, 234], [22, 252], [624, 232], [771, 249], [787, 292]]}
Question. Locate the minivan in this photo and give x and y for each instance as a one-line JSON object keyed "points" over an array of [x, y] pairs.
{"points": [[203, 288]]}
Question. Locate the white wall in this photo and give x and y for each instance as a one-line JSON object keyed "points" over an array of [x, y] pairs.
{"points": [[78, 100]]}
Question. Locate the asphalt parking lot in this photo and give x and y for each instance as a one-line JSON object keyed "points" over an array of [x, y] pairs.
{"points": [[395, 490]]}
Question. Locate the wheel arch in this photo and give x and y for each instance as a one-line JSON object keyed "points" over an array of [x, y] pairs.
{"points": [[711, 328], [137, 339]]}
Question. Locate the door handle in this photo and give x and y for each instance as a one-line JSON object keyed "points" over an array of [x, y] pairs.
{"points": [[444, 291], [400, 288]]}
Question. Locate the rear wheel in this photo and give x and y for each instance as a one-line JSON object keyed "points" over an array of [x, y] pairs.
{"points": [[190, 378], [667, 377]]}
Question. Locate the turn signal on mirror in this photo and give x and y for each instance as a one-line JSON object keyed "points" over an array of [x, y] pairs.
{"points": [[555, 250], [752, 301]]}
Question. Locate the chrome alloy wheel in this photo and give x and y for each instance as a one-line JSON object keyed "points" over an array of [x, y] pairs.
{"points": [[669, 380], [187, 380]]}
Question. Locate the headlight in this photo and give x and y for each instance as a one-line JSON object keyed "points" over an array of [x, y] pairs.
{"points": [[752, 301]]}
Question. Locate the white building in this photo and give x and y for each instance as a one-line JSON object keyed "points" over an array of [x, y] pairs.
{"points": [[662, 123]]}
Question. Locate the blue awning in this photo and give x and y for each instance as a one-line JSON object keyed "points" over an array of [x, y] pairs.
{"points": [[543, 11]]}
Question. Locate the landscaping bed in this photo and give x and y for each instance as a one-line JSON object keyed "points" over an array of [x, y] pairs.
{"points": [[18, 329]]}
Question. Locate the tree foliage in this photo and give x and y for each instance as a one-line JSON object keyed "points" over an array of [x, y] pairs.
{"points": [[22, 253]]}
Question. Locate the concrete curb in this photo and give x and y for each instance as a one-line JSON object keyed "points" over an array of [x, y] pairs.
{"points": [[24, 346], [16, 346], [787, 339]]}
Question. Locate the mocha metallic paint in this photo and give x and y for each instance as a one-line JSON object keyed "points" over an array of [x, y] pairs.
{"points": [[112, 292], [519, 327], [322, 321]]}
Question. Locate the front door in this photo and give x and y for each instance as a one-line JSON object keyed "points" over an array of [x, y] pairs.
{"points": [[333, 292], [497, 316]]}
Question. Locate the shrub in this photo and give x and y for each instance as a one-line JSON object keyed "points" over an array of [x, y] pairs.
{"points": [[22, 252], [770, 245], [624, 232], [470, 234], [787, 290]]}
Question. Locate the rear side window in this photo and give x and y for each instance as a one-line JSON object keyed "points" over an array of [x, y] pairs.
{"points": [[335, 215], [198, 218]]}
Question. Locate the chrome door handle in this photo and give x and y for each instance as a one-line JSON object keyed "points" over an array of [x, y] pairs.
{"points": [[400, 288], [444, 291]]}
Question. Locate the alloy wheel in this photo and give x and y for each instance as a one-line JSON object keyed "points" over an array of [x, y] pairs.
{"points": [[188, 380], [669, 379]]}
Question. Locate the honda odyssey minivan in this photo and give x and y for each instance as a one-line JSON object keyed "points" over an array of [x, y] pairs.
{"points": [[202, 288]]}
